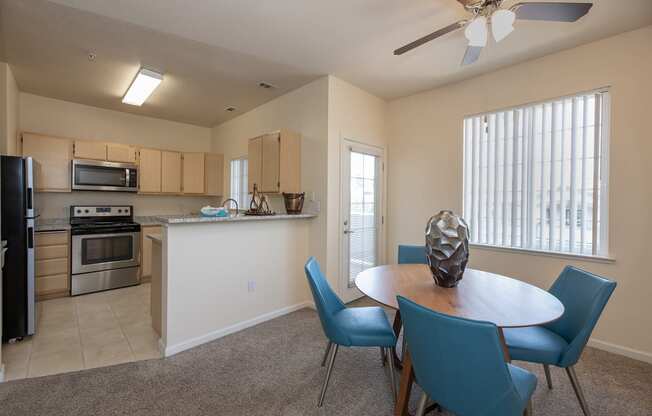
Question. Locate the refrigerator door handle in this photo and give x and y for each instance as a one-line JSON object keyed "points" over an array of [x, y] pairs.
{"points": [[31, 279]]}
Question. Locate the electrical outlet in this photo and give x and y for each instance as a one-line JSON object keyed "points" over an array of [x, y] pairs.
{"points": [[251, 285]]}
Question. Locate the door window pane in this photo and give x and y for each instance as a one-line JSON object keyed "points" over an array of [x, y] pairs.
{"points": [[363, 214]]}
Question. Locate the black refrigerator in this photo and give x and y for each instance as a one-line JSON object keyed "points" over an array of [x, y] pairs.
{"points": [[18, 216]]}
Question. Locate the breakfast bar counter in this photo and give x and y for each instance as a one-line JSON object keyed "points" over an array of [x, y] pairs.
{"points": [[219, 275], [193, 219]]}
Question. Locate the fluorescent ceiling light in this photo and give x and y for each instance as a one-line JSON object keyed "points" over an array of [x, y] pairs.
{"points": [[502, 23], [142, 87], [476, 32]]}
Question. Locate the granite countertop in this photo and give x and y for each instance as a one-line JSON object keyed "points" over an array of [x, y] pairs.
{"points": [[189, 219], [155, 237], [147, 220], [52, 224], [63, 224]]}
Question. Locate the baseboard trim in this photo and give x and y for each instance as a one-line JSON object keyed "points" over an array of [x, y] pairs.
{"points": [[211, 336], [620, 350]]}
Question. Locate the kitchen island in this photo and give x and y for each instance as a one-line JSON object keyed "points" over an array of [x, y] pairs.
{"points": [[221, 275]]}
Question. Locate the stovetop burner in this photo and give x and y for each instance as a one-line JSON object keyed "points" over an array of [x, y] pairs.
{"points": [[84, 217]]}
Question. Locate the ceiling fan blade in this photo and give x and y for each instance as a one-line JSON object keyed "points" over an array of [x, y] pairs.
{"points": [[554, 12], [471, 55], [428, 38]]}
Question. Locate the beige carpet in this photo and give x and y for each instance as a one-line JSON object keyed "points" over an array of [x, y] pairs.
{"points": [[273, 369]]}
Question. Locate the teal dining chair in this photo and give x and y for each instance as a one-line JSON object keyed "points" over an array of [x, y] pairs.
{"points": [[560, 343], [408, 254], [460, 364], [349, 327]]}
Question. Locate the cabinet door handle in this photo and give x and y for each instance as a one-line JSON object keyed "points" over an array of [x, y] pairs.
{"points": [[349, 232]]}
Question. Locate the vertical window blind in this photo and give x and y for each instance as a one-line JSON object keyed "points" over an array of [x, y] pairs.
{"points": [[535, 176], [239, 182]]}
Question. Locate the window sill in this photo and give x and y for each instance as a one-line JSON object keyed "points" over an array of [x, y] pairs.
{"points": [[556, 254]]}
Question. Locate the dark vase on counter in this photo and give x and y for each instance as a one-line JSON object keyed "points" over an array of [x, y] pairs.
{"points": [[293, 202]]}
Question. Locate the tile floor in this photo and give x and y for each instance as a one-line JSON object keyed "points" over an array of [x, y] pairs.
{"points": [[88, 331]]}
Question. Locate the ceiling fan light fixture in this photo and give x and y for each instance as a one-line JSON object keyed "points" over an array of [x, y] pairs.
{"points": [[476, 32], [502, 23]]}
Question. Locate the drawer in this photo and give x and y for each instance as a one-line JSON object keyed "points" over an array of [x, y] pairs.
{"points": [[51, 267], [51, 252], [51, 238], [51, 284]]}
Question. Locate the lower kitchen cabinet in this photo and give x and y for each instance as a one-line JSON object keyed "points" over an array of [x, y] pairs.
{"points": [[146, 251], [52, 264]]}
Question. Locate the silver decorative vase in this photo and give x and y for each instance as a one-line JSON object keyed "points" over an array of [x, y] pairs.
{"points": [[447, 248]]}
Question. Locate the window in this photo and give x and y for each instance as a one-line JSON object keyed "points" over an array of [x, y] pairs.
{"points": [[535, 177], [239, 182]]}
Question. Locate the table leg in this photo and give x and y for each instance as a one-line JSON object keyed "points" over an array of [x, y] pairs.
{"points": [[407, 378], [508, 358]]}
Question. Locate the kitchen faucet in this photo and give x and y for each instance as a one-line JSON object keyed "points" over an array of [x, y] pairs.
{"points": [[235, 202]]}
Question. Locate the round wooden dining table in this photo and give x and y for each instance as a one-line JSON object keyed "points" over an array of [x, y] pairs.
{"points": [[482, 296]]}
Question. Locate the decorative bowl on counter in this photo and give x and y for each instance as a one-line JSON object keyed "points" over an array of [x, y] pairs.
{"points": [[209, 211]]}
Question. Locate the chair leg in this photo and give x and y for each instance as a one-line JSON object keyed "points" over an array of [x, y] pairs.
{"points": [[403, 344], [328, 375], [328, 349], [546, 369], [421, 407], [392, 372], [528, 409], [383, 356], [578, 390]]}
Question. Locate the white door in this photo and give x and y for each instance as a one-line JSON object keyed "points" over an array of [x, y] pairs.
{"points": [[361, 213]]}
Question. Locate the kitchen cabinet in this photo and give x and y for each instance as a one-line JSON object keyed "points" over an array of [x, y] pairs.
{"points": [[87, 149], [193, 173], [146, 251], [52, 264], [120, 153], [53, 156], [214, 173], [275, 162], [255, 163], [171, 172], [149, 172]]}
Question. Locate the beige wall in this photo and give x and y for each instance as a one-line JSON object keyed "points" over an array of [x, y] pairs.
{"points": [[305, 111], [8, 110], [13, 112], [425, 169], [324, 112], [356, 115], [61, 118]]}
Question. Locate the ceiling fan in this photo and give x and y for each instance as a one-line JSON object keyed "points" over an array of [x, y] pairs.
{"points": [[489, 13]]}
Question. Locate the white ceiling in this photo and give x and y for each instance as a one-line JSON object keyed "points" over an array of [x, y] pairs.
{"points": [[214, 52]]}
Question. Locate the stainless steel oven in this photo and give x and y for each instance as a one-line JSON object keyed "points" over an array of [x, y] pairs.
{"points": [[113, 250], [105, 248], [96, 175]]}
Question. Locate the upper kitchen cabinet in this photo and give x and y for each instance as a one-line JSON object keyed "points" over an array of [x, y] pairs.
{"points": [[120, 153], [53, 156], [171, 172], [193, 173], [149, 170], [111, 152], [214, 173], [275, 162], [86, 149]]}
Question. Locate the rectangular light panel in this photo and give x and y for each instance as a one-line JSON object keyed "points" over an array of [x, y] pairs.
{"points": [[142, 87]]}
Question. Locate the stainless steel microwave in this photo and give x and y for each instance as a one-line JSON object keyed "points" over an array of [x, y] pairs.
{"points": [[95, 175]]}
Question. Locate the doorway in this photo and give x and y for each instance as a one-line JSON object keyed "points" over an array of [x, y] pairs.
{"points": [[362, 218]]}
